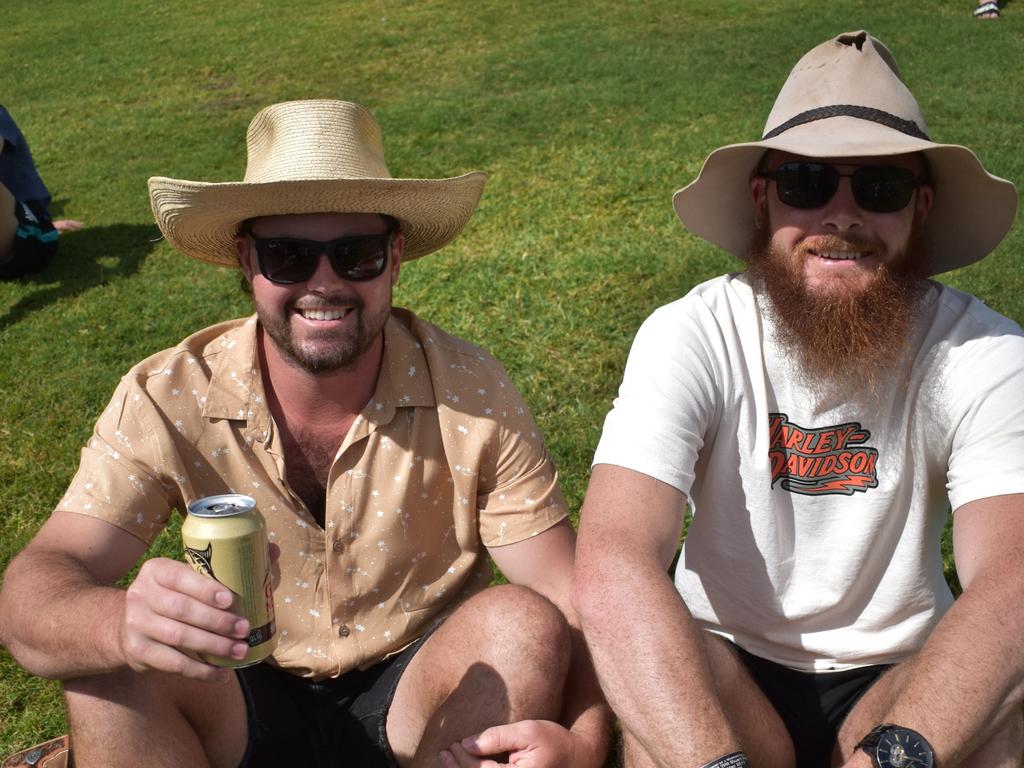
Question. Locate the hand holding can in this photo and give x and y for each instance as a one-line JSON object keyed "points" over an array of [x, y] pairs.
{"points": [[225, 537]]}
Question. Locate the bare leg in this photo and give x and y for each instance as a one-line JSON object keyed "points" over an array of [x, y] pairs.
{"points": [[8, 223], [156, 719], [501, 657]]}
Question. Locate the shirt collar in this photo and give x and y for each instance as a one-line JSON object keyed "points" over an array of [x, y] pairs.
{"points": [[236, 386], [404, 378]]}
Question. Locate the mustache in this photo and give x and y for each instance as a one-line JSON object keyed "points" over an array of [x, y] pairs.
{"points": [[326, 301], [846, 242]]}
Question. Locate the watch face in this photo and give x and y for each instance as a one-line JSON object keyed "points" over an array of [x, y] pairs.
{"points": [[902, 748]]}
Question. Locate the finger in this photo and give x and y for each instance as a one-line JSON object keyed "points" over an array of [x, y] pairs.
{"points": [[188, 638], [186, 609], [464, 759], [274, 552], [495, 740], [179, 577], [164, 659]]}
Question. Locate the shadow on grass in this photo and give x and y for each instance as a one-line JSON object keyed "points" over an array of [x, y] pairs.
{"points": [[90, 257]]}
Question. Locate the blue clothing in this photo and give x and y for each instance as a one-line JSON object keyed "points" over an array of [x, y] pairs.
{"points": [[36, 238]]}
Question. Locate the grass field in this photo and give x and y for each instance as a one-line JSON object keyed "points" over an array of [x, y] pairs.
{"points": [[586, 117]]}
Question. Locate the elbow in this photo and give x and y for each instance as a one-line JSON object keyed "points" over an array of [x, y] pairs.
{"points": [[13, 623], [589, 596]]}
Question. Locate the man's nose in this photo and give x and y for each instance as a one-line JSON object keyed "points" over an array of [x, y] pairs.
{"points": [[323, 273], [842, 212]]}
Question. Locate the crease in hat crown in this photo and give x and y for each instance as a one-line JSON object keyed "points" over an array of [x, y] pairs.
{"points": [[847, 98], [311, 156], [829, 81], [321, 139]]}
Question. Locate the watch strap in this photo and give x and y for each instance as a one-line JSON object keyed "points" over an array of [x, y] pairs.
{"points": [[732, 760], [870, 740]]}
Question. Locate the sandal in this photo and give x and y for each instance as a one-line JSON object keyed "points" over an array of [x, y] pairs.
{"points": [[55, 753], [989, 10]]}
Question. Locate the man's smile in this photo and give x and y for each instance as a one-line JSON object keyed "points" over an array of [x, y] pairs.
{"points": [[839, 254], [323, 314]]}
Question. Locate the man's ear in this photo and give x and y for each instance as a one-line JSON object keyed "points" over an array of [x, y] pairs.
{"points": [[246, 257], [759, 194], [923, 204], [397, 254]]}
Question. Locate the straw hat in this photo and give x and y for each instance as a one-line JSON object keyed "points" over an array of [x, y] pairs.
{"points": [[845, 98], [317, 156]]}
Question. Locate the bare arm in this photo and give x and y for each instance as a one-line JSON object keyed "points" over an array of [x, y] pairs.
{"points": [[646, 647], [970, 671], [544, 563], [62, 615]]}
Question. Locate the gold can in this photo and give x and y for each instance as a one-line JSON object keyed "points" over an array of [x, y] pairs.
{"points": [[225, 537]]}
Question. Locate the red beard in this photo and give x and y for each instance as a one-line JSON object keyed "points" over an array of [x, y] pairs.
{"points": [[845, 339]]}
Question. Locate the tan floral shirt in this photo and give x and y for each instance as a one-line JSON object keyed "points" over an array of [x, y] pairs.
{"points": [[444, 460]]}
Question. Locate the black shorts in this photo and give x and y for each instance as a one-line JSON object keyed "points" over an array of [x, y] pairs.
{"points": [[335, 722], [812, 705]]}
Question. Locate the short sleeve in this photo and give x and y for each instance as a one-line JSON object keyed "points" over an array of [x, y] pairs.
{"points": [[668, 396], [987, 386], [518, 495], [117, 480]]}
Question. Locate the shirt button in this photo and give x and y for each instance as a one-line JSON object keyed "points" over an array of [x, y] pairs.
{"points": [[338, 545], [344, 631]]}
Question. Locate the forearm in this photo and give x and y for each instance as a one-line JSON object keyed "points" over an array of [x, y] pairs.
{"points": [[649, 657], [56, 620], [584, 710], [970, 671]]}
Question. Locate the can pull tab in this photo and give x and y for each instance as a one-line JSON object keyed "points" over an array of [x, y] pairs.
{"points": [[853, 38]]}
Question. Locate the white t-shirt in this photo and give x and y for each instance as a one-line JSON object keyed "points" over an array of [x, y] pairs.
{"points": [[815, 540]]}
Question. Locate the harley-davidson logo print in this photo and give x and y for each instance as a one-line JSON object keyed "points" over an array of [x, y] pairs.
{"points": [[816, 462]]}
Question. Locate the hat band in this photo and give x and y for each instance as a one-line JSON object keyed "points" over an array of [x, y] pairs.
{"points": [[908, 127]]}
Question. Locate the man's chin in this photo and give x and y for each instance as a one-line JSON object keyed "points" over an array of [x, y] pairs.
{"points": [[844, 329]]}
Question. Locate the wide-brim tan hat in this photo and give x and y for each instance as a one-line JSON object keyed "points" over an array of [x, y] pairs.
{"points": [[845, 98], [316, 156]]}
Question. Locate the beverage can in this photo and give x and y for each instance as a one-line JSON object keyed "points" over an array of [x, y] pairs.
{"points": [[225, 537]]}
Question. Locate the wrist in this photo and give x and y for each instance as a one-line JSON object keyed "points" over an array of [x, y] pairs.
{"points": [[891, 746]]}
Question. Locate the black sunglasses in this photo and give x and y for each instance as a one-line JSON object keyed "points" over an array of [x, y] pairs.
{"points": [[289, 260], [876, 188]]}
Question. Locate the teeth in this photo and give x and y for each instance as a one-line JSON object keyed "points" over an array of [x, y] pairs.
{"points": [[323, 314], [841, 255]]}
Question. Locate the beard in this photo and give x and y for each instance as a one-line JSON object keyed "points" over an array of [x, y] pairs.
{"points": [[326, 351], [844, 338]]}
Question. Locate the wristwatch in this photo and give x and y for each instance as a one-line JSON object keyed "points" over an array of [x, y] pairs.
{"points": [[892, 746]]}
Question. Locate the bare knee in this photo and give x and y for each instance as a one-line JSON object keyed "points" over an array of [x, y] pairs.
{"points": [[172, 719], [520, 625], [121, 687]]}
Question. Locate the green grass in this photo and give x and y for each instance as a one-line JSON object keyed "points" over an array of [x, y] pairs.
{"points": [[586, 116]]}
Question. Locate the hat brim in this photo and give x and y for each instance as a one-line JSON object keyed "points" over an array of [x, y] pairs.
{"points": [[971, 213], [201, 219]]}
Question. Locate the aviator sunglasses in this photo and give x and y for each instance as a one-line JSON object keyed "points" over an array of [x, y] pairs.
{"points": [[876, 188], [289, 260]]}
